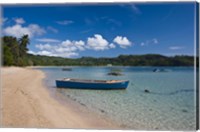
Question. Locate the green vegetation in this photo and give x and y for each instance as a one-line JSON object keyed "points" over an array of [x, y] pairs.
{"points": [[125, 60], [15, 53]]}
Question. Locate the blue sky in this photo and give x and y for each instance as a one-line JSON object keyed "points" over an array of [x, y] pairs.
{"points": [[103, 30]]}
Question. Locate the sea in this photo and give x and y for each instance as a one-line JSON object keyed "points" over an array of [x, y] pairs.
{"points": [[169, 104]]}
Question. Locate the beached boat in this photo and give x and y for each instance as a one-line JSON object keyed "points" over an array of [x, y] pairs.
{"points": [[91, 84]]}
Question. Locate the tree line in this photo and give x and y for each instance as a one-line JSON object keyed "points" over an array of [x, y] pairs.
{"points": [[15, 54]]}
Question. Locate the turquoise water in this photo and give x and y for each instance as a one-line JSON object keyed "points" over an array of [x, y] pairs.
{"points": [[170, 105]]}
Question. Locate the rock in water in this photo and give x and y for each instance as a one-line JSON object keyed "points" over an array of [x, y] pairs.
{"points": [[146, 91], [114, 74]]}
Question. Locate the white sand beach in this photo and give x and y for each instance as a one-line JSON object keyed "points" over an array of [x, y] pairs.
{"points": [[27, 103]]}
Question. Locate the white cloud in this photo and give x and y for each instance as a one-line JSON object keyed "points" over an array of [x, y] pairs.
{"points": [[97, 43], [122, 41], [80, 45], [155, 41], [65, 48], [31, 52], [176, 47], [65, 22], [70, 48], [66, 43], [52, 29], [44, 52], [36, 29], [112, 46], [68, 54], [43, 46], [19, 20], [48, 53], [47, 40], [149, 42], [18, 30]]}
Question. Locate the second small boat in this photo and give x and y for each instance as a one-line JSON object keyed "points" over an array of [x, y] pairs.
{"points": [[92, 84]]}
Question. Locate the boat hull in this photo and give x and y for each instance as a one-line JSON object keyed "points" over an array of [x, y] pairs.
{"points": [[95, 86]]}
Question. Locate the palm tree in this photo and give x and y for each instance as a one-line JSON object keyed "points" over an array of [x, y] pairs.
{"points": [[23, 43]]}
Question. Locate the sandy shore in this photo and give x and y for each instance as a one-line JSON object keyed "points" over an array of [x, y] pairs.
{"points": [[27, 103]]}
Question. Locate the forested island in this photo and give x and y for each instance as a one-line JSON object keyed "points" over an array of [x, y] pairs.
{"points": [[15, 54]]}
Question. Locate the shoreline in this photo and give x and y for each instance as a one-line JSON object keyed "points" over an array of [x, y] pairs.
{"points": [[27, 103]]}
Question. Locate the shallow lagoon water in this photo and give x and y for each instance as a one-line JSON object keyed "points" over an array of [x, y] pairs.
{"points": [[170, 105]]}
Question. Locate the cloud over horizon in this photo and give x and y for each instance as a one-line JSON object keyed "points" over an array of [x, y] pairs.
{"points": [[123, 42], [149, 42], [98, 43], [71, 48], [48, 40], [176, 47], [65, 48]]}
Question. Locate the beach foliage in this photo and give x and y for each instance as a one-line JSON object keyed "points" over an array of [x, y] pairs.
{"points": [[15, 50]]}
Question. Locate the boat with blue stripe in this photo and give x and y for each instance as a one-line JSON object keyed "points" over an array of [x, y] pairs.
{"points": [[92, 84]]}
